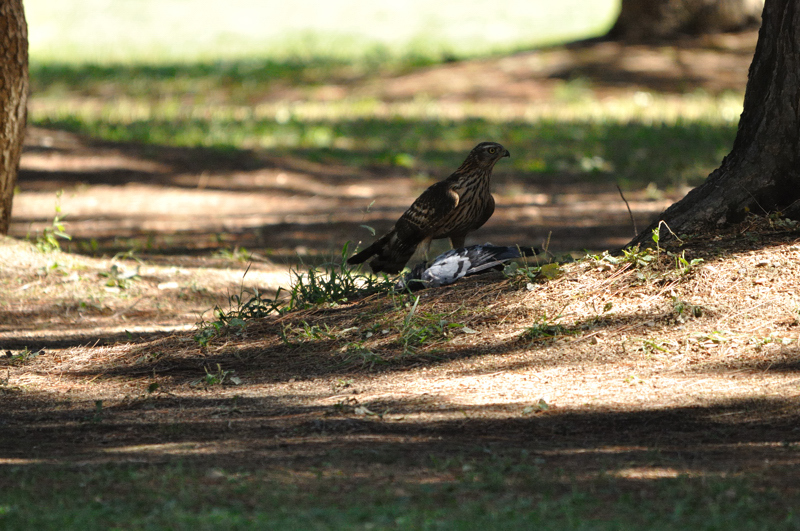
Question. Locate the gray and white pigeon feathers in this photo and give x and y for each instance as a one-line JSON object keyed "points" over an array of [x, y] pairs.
{"points": [[457, 263]]}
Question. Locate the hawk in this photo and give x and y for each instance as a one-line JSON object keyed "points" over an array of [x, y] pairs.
{"points": [[451, 208]]}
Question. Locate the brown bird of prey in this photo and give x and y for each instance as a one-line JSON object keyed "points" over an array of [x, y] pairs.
{"points": [[451, 208]]}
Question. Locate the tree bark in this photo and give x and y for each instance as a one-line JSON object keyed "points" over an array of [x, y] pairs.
{"points": [[761, 173], [14, 88], [664, 19]]}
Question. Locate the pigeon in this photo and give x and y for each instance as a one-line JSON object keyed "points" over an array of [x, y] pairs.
{"points": [[456, 263]]}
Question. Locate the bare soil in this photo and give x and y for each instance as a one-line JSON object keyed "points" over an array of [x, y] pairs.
{"points": [[645, 372]]}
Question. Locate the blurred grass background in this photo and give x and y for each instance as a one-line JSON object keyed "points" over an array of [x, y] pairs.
{"points": [[185, 31], [242, 76]]}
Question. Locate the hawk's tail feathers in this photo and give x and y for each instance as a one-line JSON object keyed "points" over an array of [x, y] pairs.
{"points": [[393, 256], [369, 252]]}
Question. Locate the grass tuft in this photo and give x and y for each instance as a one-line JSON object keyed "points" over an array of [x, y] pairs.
{"points": [[50, 239], [328, 285]]}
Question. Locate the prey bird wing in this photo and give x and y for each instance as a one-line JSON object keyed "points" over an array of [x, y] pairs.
{"points": [[457, 263], [451, 208]]}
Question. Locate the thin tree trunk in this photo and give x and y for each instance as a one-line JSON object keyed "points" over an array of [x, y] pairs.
{"points": [[761, 174], [13, 100]]}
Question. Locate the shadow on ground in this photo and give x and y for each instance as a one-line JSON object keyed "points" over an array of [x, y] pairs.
{"points": [[167, 201]]}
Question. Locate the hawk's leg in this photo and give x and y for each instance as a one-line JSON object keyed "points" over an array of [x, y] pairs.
{"points": [[425, 249], [457, 242]]}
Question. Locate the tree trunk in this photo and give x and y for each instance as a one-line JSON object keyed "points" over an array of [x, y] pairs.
{"points": [[663, 19], [13, 100], [761, 174]]}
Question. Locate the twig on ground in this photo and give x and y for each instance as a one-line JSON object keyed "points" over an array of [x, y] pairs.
{"points": [[635, 231]]}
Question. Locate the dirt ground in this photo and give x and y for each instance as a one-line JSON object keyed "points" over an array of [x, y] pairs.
{"points": [[645, 372]]}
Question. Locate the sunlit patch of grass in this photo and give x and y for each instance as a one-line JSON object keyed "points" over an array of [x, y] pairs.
{"points": [[242, 82], [670, 142], [159, 31], [120, 102], [637, 139]]}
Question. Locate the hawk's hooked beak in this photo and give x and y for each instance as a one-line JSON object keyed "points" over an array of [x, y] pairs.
{"points": [[506, 154]]}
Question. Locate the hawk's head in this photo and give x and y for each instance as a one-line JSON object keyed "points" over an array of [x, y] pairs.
{"points": [[485, 155]]}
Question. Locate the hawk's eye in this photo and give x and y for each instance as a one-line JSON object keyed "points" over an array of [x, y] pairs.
{"points": [[492, 150]]}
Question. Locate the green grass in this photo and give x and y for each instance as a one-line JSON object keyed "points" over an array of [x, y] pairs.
{"points": [[631, 149], [327, 285], [457, 493]]}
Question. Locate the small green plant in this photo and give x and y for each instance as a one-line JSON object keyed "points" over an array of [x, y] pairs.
{"points": [[427, 328], [316, 332], [530, 273], [332, 284], [540, 406], [710, 339], [239, 254], [305, 333], [54, 266], [116, 277], [130, 254], [405, 332], [656, 237], [651, 345], [217, 377], [423, 328], [686, 310], [25, 355], [638, 257], [342, 384], [48, 241], [684, 266], [635, 256], [208, 330], [544, 329], [777, 220], [247, 305], [633, 380]]}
